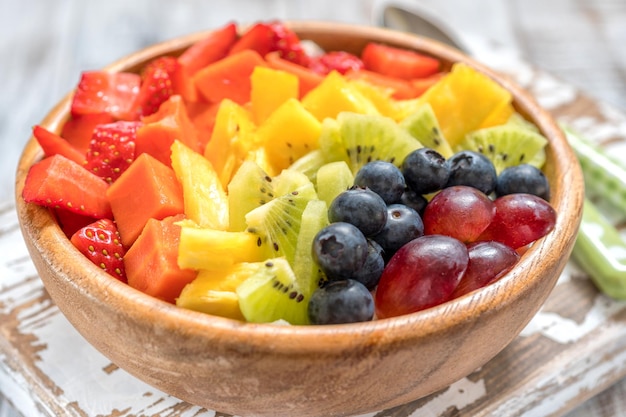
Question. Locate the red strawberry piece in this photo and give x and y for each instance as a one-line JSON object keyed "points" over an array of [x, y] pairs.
{"points": [[339, 61], [53, 144], [112, 149], [100, 243], [60, 183], [270, 37], [157, 85], [106, 92], [288, 44]]}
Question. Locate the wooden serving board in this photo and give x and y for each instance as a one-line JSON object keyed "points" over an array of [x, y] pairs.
{"points": [[573, 349]]}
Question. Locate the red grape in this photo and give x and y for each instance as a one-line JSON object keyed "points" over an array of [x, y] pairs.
{"points": [[460, 211], [519, 220], [423, 273], [488, 261]]}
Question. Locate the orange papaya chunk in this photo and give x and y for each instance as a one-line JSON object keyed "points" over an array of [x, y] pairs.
{"points": [[148, 189], [159, 131], [228, 78], [151, 262]]}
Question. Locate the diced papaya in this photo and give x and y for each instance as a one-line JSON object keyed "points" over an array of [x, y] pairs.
{"points": [[335, 95], [161, 129], [53, 144], [148, 189], [228, 77], [58, 182], [79, 129], [308, 79], [400, 89], [151, 262], [204, 197], [423, 84], [202, 115], [269, 89]]}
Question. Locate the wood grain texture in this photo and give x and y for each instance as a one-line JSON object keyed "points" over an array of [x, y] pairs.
{"points": [[43, 51]]}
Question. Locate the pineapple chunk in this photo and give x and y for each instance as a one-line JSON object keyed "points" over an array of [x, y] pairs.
{"points": [[204, 248], [205, 200], [231, 141], [270, 89], [213, 292]]}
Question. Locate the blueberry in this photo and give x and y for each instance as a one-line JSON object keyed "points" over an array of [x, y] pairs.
{"points": [[472, 169], [340, 250], [345, 301], [384, 178], [425, 171], [372, 269], [403, 225], [523, 178], [414, 200], [361, 207]]}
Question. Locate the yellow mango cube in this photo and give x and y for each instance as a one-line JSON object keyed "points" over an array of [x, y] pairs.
{"points": [[335, 95], [270, 89], [288, 133]]}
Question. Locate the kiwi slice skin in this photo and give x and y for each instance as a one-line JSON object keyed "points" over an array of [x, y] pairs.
{"points": [[507, 145], [272, 293], [277, 223], [249, 188], [423, 126], [359, 138]]}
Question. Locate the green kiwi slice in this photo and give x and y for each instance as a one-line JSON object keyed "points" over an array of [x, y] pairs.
{"points": [[277, 222], [332, 179], [273, 293], [423, 126], [280, 290], [361, 138], [249, 188], [507, 145], [309, 164], [314, 219]]}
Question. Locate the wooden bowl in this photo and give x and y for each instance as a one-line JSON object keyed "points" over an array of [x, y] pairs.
{"points": [[262, 369]]}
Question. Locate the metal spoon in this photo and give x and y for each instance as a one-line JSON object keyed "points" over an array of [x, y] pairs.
{"points": [[417, 19]]}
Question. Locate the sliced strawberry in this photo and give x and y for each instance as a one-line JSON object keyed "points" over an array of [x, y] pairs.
{"points": [[339, 61], [112, 149], [269, 37], [100, 243], [79, 129], [106, 92], [53, 144], [208, 50], [58, 182], [397, 62], [287, 43], [157, 85]]}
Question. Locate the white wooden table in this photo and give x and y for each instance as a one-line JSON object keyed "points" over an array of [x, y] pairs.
{"points": [[44, 44]]}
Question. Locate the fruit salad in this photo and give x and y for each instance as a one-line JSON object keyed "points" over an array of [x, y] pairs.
{"points": [[256, 178]]}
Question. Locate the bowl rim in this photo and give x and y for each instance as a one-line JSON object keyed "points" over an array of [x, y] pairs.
{"points": [[41, 226]]}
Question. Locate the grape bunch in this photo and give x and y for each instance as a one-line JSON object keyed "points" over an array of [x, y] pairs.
{"points": [[409, 237]]}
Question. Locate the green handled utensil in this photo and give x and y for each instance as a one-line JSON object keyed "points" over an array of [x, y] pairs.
{"points": [[600, 250]]}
